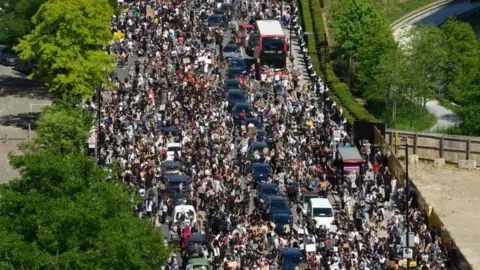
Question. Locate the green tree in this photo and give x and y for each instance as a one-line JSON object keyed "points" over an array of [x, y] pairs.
{"points": [[463, 60], [64, 127], [67, 40], [426, 58], [370, 52], [470, 119], [62, 214], [351, 22], [16, 19]]}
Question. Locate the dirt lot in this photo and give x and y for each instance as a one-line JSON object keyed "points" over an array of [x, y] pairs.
{"points": [[454, 194]]}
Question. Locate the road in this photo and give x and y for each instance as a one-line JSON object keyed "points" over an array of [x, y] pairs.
{"points": [[445, 117], [21, 102]]}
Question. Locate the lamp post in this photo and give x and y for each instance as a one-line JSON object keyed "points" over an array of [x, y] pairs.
{"points": [[407, 200]]}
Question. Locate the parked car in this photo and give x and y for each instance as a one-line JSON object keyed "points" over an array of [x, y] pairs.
{"points": [[8, 57], [26, 67]]}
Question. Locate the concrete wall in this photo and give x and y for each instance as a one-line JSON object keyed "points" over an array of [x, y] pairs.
{"points": [[432, 146]]}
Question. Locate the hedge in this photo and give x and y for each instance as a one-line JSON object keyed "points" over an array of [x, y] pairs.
{"points": [[340, 92], [305, 16]]}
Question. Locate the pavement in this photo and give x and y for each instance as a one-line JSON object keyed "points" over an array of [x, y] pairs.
{"points": [[21, 102], [445, 117]]}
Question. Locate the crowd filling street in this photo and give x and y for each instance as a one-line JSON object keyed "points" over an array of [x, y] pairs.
{"points": [[245, 165]]}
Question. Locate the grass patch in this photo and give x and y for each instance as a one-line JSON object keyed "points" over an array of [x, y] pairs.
{"points": [[423, 122], [339, 91], [392, 10], [452, 131]]}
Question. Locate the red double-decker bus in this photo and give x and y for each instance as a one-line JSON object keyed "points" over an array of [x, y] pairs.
{"points": [[271, 46]]}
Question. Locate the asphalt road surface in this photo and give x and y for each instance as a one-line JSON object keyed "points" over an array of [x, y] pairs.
{"points": [[21, 102]]}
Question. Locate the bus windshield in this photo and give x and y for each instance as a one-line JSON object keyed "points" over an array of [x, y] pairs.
{"points": [[276, 62], [273, 45]]}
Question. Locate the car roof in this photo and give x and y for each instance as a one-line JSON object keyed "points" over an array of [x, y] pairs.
{"points": [[310, 193], [197, 237], [235, 91], [177, 178], [320, 202], [291, 251], [232, 81], [260, 165], [242, 105], [252, 119], [171, 163], [276, 198], [264, 144], [280, 214], [237, 59], [231, 45], [268, 185]]}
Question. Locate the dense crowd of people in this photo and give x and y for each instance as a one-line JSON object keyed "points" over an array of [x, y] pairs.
{"points": [[171, 129]]}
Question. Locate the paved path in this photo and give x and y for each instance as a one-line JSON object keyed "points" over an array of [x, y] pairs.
{"points": [[445, 117], [21, 102]]}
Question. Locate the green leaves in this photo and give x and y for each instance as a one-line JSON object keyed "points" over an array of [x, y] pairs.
{"points": [[67, 40], [351, 22]]}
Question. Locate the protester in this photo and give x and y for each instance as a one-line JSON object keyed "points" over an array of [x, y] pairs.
{"points": [[172, 97]]}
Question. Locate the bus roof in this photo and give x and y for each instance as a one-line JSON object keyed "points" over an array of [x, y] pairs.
{"points": [[270, 28]]}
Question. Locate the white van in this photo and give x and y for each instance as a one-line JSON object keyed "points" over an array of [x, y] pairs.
{"points": [[171, 148], [182, 213], [320, 210]]}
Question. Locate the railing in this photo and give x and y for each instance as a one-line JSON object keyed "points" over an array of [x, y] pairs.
{"points": [[396, 168], [431, 146]]}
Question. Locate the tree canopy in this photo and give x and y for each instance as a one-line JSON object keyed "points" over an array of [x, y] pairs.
{"points": [[61, 213], [67, 40], [16, 19], [352, 21]]}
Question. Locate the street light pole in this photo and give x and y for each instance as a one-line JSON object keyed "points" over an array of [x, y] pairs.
{"points": [[407, 194], [99, 123]]}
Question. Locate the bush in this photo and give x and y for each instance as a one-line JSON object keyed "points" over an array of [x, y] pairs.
{"points": [[339, 93]]}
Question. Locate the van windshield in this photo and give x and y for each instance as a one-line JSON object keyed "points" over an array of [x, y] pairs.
{"points": [[322, 212]]}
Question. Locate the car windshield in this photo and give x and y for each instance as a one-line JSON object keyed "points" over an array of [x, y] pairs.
{"points": [[236, 96], [261, 169], [185, 214], [292, 258], [239, 109], [174, 148], [278, 204], [258, 148], [233, 85], [237, 63], [269, 190], [322, 212], [231, 48], [171, 168], [281, 219], [214, 20], [306, 198], [236, 72]]}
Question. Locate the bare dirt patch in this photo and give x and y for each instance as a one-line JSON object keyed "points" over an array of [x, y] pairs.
{"points": [[454, 194]]}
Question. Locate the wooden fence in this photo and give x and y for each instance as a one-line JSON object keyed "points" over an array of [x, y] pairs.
{"points": [[396, 168], [432, 146]]}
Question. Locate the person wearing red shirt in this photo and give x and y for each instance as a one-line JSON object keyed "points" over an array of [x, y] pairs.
{"points": [[375, 169]]}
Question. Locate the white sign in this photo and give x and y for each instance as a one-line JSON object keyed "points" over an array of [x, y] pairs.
{"points": [[92, 142], [337, 135], [408, 253], [311, 248]]}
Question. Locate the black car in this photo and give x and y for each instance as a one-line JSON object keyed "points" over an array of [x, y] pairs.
{"points": [[215, 21], [8, 57], [234, 97]]}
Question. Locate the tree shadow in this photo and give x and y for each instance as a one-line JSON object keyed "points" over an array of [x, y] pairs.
{"points": [[21, 87], [21, 120]]}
